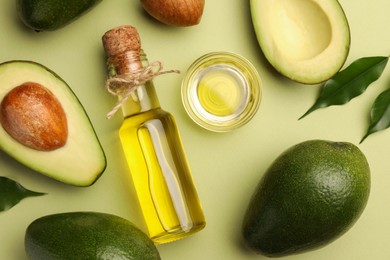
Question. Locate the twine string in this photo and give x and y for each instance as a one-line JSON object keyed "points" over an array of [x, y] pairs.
{"points": [[124, 85]]}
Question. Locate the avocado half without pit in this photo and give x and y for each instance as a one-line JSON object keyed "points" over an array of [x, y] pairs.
{"points": [[307, 41], [44, 126]]}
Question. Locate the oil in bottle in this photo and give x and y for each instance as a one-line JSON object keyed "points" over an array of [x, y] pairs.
{"points": [[151, 142]]}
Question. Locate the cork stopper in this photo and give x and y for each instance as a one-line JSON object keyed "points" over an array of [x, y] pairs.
{"points": [[120, 40], [123, 47]]}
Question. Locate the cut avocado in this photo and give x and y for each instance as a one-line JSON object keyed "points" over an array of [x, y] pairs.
{"points": [[305, 40], [87, 235], [79, 158], [50, 15]]}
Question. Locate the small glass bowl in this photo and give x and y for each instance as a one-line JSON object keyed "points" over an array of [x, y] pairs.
{"points": [[221, 91]]}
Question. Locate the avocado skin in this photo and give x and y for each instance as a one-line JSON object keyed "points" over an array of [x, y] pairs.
{"points": [[312, 194], [87, 235], [50, 15]]}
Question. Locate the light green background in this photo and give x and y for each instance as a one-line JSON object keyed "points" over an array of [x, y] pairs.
{"points": [[226, 167]]}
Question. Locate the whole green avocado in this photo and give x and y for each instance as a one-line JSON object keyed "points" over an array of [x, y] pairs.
{"points": [[87, 235], [50, 15], [311, 194]]}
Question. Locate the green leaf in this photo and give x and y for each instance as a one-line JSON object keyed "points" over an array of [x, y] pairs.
{"points": [[12, 192], [350, 82], [380, 114]]}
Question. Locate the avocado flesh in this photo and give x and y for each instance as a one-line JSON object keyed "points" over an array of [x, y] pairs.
{"points": [[307, 41], [87, 235], [311, 195], [81, 160], [50, 15]]}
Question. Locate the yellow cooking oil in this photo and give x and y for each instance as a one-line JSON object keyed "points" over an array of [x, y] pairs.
{"points": [[220, 92], [161, 176], [151, 142]]}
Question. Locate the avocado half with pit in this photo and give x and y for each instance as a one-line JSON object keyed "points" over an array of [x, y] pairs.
{"points": [[44, 126], [307, 41]]}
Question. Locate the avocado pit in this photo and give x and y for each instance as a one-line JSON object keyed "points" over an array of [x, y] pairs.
{"points": [[33, 116]]}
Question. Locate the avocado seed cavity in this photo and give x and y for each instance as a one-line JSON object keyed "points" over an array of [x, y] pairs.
{"points": [[303, 29], [33, 116]]}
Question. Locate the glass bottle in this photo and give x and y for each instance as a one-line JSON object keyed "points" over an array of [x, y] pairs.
{"points": [[152, 147]]}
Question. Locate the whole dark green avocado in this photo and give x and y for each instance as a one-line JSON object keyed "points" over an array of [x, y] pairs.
{"points": [[311, 194], [50, 15], [87, 235]]}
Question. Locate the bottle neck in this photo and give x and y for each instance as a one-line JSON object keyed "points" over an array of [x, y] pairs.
{"points": [[144, 97]]}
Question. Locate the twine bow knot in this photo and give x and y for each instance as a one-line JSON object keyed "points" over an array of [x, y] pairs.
{"points": [[124, 85]]}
